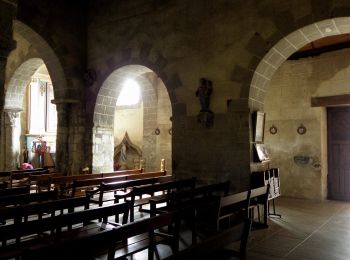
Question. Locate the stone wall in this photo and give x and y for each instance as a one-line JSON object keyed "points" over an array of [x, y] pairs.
{"points": [[288, 104], [181, 41], [164, 125], [59, 39], [129, 120], [174, 41]]}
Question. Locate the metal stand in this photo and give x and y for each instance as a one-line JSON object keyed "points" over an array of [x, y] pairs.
{"points": [[274, 210]]}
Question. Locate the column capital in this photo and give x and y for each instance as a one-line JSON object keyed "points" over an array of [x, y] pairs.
{"points": [[12, 115]]}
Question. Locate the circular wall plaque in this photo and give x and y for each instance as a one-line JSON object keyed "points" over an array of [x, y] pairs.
{"points": [[170, 131], [157, 131], [273, 130], [301, 129]]}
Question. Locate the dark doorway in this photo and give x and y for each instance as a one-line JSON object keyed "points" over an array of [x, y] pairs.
{"points": [[338, 119]]}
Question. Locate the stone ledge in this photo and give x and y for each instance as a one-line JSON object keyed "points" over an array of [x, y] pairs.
{"points": [[65, 101]]}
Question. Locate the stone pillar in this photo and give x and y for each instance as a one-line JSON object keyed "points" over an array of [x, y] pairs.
{"points": [[12, 139], [62, 155], [103, 149], [8, 11]]}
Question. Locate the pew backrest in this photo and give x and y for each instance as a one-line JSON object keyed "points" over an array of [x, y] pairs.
{"points": [[146, 175], [80, 186], [177, 185], [142, 234], [120, 173], [56, 223], [260, 192], [214, 247], [42, 181], [167, 188], [29, 170], [46, 209], [23, 176], [235, 205], [216, 189], [22, 199], [14, 191]]}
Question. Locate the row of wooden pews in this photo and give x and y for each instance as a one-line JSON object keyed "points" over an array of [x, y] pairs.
{"points": [[17, 178], [56, 228]]}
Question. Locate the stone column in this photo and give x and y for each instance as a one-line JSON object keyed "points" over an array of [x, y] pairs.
{"points": [[62, 137], [8, 10], [12, 139], [103, 149]]}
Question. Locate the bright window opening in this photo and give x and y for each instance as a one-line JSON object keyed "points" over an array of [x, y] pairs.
{"points": [[130, 94]]}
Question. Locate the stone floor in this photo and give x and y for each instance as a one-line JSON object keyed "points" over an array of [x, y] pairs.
{"points": [[307, 230]]}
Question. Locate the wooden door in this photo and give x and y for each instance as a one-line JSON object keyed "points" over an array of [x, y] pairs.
{"points": [[338, 121]]}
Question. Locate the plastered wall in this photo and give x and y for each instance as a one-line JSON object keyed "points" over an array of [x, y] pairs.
{"points": [[288, 104]]}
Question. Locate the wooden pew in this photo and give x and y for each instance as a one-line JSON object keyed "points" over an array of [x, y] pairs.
{"points": [[14, 191], [166, 187], [79, 187], [42, 182], [232, 209], [21, 178], [193, 202], [121, 188], [181, 197], [64, 183], [123, 172], [29, 170], [57, 223], [43, 209], [146, 175], [5, 179], [22, 199], [214, 247], [118, 243], [259, 196]]}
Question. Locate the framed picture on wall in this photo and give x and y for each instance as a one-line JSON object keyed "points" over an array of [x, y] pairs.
{"points": [[258, 126]]}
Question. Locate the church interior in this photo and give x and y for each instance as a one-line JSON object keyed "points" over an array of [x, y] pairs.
{"points": [[218, 128]]}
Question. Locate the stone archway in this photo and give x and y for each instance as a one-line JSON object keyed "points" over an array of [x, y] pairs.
{"points": [[13, 106], [310, 179], [49, 57], [280, 52], [41, 54], [103, 132]]}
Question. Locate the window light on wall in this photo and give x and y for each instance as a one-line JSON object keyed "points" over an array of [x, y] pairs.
{"points": [[130, 93]]}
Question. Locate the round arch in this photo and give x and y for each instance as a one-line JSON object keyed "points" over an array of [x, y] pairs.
{"points": [[280, 52], [103, 119], [17, 85], [48, 56], [40, 53]]}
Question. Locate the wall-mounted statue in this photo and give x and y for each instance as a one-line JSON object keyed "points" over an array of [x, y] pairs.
{"points": [[204, 91]]}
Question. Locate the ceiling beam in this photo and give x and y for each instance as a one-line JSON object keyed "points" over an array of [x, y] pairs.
{"points": [[317, 51], [330, 101]]}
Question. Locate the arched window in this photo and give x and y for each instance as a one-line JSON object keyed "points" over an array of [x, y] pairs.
{"points": [[42, 114], [130, 93]]}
